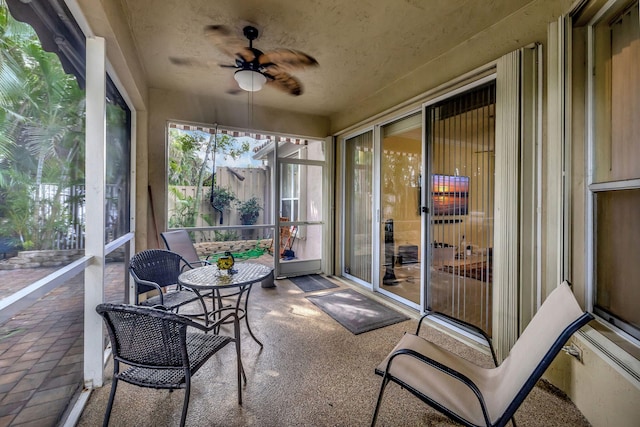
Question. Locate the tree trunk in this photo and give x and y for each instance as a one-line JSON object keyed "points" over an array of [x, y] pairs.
{"points": [[201, 174]]}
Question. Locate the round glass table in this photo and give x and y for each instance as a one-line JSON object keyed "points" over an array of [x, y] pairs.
{"points": [[211, 278]]}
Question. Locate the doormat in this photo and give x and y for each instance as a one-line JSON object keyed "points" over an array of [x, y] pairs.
{"points": [[312, 282], [356, 312]]}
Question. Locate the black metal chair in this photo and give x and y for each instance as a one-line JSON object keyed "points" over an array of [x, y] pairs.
{"points": [[477, 396], [163, 350], [157, 269]]}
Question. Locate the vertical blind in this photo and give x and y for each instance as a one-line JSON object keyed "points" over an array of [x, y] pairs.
{"points": [[461, 134], [358, 206]]}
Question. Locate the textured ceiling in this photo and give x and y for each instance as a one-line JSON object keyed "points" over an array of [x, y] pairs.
{"points": [[361, 46]]}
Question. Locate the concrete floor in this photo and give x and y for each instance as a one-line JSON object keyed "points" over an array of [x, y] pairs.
{"points": [[311, 372]]}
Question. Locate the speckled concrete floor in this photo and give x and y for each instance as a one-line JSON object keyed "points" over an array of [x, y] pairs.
{"points": [[311, 372]]}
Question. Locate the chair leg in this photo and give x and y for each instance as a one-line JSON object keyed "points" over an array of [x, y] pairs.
{"points": [[385, 381], [185, 405], [112, 394], [241, 374]]}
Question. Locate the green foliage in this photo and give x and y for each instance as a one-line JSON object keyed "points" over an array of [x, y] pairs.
{"points": [[189, 159], [208, 218], [184, 213], [249, 210], [41, 137], [222, 198], [37, 223], [189, 153], [184, 163], [225, 236]]}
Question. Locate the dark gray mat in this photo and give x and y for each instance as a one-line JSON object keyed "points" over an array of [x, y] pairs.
{"points": [[356, 312], [312, 282]]}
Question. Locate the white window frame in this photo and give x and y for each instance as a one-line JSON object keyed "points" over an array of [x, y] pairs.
{"points": [[592, 188], [296, 195]]}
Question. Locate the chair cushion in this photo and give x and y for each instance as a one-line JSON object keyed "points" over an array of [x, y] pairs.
{"points": [[558, 311], [435, 385], [499, 386]]}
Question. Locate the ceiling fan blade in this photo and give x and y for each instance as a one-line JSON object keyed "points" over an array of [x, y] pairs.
{"points": [[283, 81], [234, 90], [287, 58], [232, 87], [188, 62], [226, 41]]}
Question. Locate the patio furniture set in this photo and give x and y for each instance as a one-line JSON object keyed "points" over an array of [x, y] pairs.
{"points": [[164, 349]]}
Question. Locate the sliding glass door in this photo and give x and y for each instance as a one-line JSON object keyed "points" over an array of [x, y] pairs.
{"points": [[461, 141], [400, 225]]}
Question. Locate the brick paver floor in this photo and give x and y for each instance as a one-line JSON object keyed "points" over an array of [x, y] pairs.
{"points": [[41, 349]]}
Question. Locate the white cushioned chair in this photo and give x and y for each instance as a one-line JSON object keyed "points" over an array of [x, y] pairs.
{"points": [[477, 396]]}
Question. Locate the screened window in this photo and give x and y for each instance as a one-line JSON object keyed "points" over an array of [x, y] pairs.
{"points": [[615, 185], [290, 192], [118, 165]]}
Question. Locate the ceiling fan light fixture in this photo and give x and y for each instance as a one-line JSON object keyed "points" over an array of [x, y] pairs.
{"points": [[249, 80]]}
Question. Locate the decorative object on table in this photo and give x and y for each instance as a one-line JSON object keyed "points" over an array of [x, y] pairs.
{"points": [[226, 262]]}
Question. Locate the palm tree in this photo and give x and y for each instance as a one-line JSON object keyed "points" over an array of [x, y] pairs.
{"points": [[41, 118]]}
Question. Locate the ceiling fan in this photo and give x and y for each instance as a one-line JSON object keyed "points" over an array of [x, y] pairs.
{"points": [[256, 68]]}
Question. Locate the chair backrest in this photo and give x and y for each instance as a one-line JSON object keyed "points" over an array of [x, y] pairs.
{"points": [[178, 241], [156, 265], [145, 336], [558, 318]]}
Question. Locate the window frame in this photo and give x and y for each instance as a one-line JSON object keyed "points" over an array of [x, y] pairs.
{"points": [[594, 187], [294, 188]]}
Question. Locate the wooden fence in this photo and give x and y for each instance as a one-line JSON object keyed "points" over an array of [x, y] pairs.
{"points": [[243, 183]]}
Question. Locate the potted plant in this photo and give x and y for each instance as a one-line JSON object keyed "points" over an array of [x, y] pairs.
{"points": [[249, 210], [220, 199]]}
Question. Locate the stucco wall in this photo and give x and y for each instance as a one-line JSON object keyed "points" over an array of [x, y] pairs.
{"points": [[604, 395]]}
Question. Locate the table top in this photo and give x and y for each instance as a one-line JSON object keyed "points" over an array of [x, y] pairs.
{"points": [[210, 277]]}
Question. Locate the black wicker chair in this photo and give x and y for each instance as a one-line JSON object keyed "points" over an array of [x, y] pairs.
{"points": [[162, 349], [157, 269]]}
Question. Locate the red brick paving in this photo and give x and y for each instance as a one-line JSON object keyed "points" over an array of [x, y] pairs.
{"points": [[41, 349]]}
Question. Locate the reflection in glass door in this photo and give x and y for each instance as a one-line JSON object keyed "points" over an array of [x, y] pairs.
{"points": [[400, 215], [461, 138], [358, 207]]}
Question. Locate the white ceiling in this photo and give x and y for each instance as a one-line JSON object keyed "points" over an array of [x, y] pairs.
{"points": [[361, 46]]}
